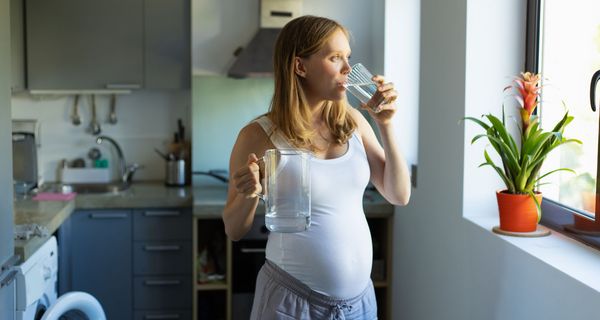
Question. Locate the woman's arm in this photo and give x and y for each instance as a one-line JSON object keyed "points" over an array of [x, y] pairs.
{"points": [[389, 171], [244, 182]]}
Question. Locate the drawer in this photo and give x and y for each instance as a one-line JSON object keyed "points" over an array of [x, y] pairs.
{"points": [[162, 315], [167, 224], [154, 258], [162, 292]]}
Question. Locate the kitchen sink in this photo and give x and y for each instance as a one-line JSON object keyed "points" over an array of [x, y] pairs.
{"points": [[88, 188]]}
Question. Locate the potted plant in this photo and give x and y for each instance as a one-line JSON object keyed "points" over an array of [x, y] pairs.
{"points": [[522, 158]]}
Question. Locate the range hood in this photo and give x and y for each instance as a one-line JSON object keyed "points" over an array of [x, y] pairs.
{"points": [[256, 59]]}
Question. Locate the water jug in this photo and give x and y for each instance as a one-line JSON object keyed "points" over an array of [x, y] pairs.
{"points": [[286, 190]]}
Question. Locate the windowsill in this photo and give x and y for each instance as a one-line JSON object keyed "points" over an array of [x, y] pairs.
{"points": [[571, 257]]}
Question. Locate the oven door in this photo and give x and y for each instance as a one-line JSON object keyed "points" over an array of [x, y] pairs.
{"points": [[248, 258]]}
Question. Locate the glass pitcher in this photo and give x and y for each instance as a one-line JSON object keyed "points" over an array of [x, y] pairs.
{"points": [[286, 190]]}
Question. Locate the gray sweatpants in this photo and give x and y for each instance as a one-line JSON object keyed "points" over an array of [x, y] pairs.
{"points": [[278, 295]]}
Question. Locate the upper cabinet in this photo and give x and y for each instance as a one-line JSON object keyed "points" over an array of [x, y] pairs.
{"points": [[167, 53], [108, 44]]}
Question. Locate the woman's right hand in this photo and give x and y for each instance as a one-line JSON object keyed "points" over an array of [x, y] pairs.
{"points": [[247, 178]]}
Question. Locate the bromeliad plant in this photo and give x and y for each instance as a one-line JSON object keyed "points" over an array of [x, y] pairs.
{"points": [[521, 163]]}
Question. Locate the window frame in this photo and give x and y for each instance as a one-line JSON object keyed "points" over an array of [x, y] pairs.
{"points": [[556, 216]]}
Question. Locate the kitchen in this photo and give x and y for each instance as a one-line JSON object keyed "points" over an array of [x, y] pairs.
{"points": [[448, 273]]}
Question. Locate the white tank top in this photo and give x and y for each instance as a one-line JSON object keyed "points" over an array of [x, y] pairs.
{"points": [[334, 256]]}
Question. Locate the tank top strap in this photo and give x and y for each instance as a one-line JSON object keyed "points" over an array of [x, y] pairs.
{"points": [[277, 138]]}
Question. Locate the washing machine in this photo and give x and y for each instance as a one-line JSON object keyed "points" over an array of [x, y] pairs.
{"points": [[36, 292]]}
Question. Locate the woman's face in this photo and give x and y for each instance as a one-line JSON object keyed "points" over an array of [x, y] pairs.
{"points": [[325, 72]]}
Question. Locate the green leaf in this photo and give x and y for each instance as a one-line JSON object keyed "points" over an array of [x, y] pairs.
{"points": [[553, 171], [537, 206]]}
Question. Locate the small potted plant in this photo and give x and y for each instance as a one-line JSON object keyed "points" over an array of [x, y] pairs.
{"points": [[522, 158]]}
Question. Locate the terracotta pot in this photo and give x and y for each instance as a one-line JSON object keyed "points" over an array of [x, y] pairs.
{"points": [[589, 204], [518, 212]]}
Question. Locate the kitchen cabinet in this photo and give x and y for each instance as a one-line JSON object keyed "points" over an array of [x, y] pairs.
{"points": [[137, 263], [84, 44], [17, 45], [167, 55], [110, 44], [98, 247]]}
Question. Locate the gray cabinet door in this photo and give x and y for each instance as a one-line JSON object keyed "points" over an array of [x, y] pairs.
{"points": [[167, 44], [100, 256], [17, 44], [84, 44]]}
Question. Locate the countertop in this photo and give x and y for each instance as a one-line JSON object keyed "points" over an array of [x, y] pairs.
{"points": [[210, 201], [51, 214]]}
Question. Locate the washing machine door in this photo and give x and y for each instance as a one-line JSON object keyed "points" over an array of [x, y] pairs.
{"points": [[81, 304]]}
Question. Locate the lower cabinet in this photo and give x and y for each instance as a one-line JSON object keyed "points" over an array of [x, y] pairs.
{"points": [[137, 263]]}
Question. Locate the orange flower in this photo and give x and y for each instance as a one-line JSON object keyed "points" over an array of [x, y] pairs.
{"points": [[529, 91]]}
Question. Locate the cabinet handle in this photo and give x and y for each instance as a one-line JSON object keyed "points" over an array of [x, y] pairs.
{"points": [[161, 213], [162, 282], [253, 250], [108, 215], [162, 248], [116, 86], [162, 316]]}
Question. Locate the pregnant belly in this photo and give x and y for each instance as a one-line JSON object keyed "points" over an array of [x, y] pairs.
{"points": [[332, 257]]}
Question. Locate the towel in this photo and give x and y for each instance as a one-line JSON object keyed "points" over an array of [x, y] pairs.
{"points": [[54, 196]]}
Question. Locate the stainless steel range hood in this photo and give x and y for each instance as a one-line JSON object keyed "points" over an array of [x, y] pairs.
{"points": [[256, 59]]}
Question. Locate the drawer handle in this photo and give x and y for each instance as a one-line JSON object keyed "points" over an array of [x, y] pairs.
{"points": [[162, 248], [108, 215], [162, 316], [162, 282], [161, 213], [253, 250], [122, 86]]}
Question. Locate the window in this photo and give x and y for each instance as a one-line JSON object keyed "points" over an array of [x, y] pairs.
{"points": [[564, 46]]}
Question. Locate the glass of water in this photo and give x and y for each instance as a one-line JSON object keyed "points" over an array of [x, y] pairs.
{"points": [[362, 87]]}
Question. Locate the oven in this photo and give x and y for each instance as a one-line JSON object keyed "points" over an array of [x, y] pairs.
{"points": [[248, 258]]}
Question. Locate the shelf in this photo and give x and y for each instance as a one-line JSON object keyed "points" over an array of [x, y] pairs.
{"points": [[380, 284], [211, 286]]}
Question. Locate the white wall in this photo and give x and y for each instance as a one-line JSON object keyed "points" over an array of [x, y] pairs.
{"points": [[146, 119], [219, 27], [446, 267]]}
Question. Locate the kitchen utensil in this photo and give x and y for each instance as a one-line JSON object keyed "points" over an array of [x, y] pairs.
{"points": [[94, 128], [180, 130], [94, 154], [162, 155], [25, 166], [362, 87], [75, 118], [175, 173], [112, 116], [286, 190]]}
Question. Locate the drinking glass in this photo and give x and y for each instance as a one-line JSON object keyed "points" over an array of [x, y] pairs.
{"points": [[362, 87]]}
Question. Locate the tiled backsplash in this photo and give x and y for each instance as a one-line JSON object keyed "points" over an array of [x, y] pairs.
{"points": [[145, 120]]}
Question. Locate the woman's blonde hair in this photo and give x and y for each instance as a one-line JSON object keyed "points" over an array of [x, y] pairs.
{"points": [[289, 109]]}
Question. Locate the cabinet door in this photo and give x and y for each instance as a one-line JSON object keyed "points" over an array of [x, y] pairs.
{"points": [[84, 44], [100, 256], [167, 44], [17, 40]]}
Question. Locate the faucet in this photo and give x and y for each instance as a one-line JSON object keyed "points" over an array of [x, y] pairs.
{"points": [[127, 171]]}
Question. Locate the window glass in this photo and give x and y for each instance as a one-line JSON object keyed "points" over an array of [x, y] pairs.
{"points": [[569, 56]]}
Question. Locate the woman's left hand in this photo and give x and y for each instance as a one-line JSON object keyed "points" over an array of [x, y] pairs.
{"points": [[384, 99]]}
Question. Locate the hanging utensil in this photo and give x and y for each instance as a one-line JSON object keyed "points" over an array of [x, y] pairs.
{"points": [[94, 128], [112, 116], [75, 118]]}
